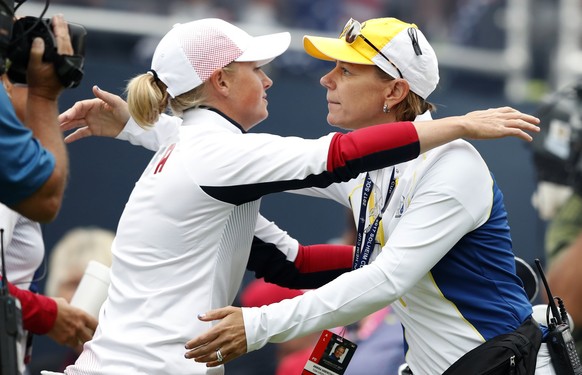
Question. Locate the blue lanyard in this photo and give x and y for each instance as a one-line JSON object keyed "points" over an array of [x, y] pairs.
{"points": [[362, 255]]}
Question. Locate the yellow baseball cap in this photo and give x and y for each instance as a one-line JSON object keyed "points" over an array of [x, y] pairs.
{"points": [[398, 48]]}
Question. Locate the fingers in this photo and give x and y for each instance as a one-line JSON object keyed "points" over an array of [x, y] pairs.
{"points": [[36, 51], [61, 32], [80, 133], [520, 134], [530, 119], [214, 315], [201, 341], [214, 355], [77, 112], [210, 356], [85, 334], [90, 323], [522, 125], [106, 96], [228, 336]]}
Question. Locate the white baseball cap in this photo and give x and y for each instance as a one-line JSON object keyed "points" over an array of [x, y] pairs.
{"points": [[190, 52], [398, 48]]}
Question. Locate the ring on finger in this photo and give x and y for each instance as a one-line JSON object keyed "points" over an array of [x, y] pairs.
{"points": [[219, 356]]}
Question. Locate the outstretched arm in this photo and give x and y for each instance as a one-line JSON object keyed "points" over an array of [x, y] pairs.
{"points": [[486, 124], [107, 115], [103, 116]]}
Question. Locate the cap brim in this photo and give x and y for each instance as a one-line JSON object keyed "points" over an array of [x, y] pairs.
{"points": [[265, 48], [333, 49]]}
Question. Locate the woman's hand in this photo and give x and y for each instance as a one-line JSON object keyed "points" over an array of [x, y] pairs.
{"points": [[228, 337], [500, 122], [103, 116], [486, 124]]}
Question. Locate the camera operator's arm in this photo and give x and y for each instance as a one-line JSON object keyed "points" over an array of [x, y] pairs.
{"points": [[41, 114], [55, 317]]}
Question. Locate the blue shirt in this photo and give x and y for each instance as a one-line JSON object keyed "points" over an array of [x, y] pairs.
{"points": [[26, 165]]}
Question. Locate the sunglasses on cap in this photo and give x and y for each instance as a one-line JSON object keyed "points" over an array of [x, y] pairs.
{"points": [[352, 30]]}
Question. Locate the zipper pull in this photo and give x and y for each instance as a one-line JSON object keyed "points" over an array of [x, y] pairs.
{"points": [[512, 367]]}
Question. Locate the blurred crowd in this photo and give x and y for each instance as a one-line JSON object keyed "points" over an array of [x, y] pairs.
{"points": [[474, 23], [443, 19]]}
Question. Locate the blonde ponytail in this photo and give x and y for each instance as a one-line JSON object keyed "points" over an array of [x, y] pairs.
{"points": [[147, 98]]}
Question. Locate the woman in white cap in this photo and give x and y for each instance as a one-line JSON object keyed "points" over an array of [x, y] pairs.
{"points": [[184, 238], [433, 237]]}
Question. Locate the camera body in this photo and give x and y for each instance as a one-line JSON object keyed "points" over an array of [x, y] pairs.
{"points": [[557, 150], [69, 68], [16, 39]]}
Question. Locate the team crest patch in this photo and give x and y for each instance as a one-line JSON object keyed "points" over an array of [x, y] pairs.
{"points": [[400, 210]]}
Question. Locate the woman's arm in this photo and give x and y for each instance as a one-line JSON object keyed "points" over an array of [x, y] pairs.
{"points": [[107, 115], [487, 124]]}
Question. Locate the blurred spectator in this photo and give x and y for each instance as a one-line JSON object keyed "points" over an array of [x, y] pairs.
{"points": [[68, 261], [564, 257], [70, 257], [380, 344]]}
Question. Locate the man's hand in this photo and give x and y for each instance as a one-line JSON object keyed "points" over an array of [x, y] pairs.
{"points": [[41, 76], [73, 326]]}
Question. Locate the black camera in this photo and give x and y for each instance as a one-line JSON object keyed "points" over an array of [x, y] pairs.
{"points": [[16, 40], [557, 150], [69, 68]]}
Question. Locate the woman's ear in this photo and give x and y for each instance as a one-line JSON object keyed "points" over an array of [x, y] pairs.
{"points": [[396, 91], [220, 82]]}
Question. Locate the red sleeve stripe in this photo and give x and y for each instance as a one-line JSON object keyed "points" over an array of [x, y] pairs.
{"points": [[396, 141], [316, 258], [38, 312]]}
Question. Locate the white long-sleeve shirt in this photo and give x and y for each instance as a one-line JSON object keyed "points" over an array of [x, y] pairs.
{"points": [[184, 238]]}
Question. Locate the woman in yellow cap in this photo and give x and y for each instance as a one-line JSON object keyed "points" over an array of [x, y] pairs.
{"points": [[433, 238], [231, 170]]}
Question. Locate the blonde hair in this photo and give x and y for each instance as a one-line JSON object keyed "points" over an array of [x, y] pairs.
{"points": [[73, 252], [148, 98], [412, 106]]}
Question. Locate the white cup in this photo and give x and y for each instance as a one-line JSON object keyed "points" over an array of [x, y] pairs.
{"points": [[92, 290]]}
